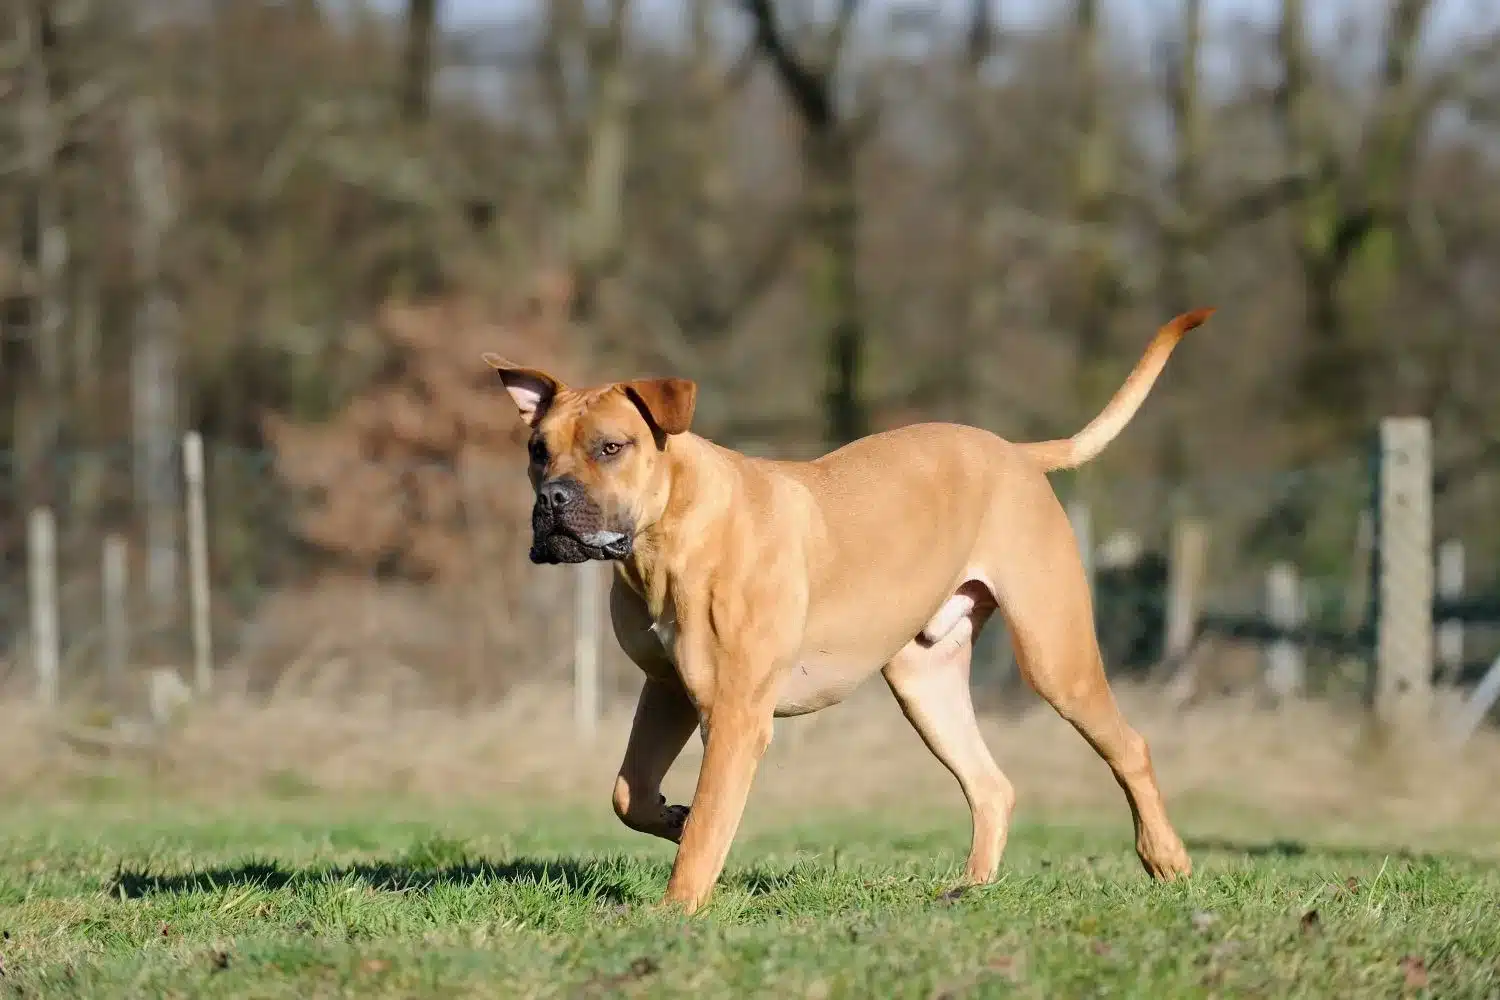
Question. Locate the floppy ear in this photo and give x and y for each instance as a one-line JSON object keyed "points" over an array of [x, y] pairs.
{"points": [[667, 403], [531, 388]]}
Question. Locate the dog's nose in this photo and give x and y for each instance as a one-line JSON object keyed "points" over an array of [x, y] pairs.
{"points": [[554, 496]]}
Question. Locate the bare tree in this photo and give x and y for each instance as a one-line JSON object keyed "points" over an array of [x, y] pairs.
{"points": [[416, 64], [717, 243], [44, 249], [1350, 223], [830, 142], [592, 110], [155, 355], [1095, 288], [978, 190]]}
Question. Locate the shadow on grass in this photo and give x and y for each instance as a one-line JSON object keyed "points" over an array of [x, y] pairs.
{"points": [[599, 879], [594, 879], [1291, 849]]}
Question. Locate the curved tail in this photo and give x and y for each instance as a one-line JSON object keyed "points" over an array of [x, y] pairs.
{"points": [[1069, 453]]}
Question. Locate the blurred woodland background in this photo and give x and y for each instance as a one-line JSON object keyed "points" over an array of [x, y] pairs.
{"points": [[294, 226]]}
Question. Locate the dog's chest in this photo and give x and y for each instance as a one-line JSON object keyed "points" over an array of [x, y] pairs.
{"points": [[807, 687]]}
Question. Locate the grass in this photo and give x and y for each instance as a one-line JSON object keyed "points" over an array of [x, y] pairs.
{"points": [[311, 898]]}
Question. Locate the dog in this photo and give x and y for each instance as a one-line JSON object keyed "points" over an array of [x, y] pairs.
{"points": [[747, 589]]}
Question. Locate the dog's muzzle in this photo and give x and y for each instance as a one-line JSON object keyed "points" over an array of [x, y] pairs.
{"points": [[568, 527]]}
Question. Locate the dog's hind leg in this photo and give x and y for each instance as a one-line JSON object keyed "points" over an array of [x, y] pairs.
{"points": [[931, 683], [1052, 627]]}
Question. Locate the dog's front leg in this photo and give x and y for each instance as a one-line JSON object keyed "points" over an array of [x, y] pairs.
{"points": [[664, 719], [739, 730]]}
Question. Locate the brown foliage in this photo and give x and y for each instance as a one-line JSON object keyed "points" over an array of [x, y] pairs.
{"points": [[421, 475]]}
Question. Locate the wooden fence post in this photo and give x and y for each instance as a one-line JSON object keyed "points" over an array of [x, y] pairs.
{"points": [[197, 517], [1286, 662], [586, 629], [1186, 567], [1404, 572], [115, 582], [41, 536], [1449, 636]]}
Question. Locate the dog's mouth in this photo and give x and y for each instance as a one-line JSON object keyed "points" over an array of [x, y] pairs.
{"points": [[564, 546], [555, 541]]}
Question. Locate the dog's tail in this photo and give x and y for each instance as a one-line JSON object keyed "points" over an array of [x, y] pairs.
{"points": [[1069, 453]]}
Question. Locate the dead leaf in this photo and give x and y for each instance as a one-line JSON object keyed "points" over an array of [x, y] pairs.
{"points": [[220, 961], [1416, 971], [166, 929], [1204, 919], [953, 894], [1310, 921], [1352, 884], [1100, 948], [374, 966]]}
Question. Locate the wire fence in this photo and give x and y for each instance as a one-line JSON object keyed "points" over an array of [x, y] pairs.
{"points": [[412, 577]]}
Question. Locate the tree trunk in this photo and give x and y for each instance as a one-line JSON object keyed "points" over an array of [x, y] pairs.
{"points": [[596, 222], [154, 361], [1094, 289], [1347, 225], [976, 186], [829, 164], [416, 63], [39, 397], [1183, 236], [830, 212]]}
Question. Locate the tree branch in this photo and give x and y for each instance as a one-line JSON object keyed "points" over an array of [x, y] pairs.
{"points": [[1260, 202], [838, 32], [807, 88]]}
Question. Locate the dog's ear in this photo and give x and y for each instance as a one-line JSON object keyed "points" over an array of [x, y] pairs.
{"points": [[666, 403], [531, 388]]}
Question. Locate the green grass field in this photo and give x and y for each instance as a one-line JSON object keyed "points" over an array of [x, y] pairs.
{"points": [[314, 899]]}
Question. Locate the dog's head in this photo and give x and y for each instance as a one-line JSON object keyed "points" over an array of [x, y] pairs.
{"points": [[598, 458]]}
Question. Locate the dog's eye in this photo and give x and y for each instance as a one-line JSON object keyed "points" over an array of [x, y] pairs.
{"points": [[610, 449], [536, 449]]}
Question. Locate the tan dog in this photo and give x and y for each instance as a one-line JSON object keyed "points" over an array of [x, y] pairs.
{"points": [[747, 589]]}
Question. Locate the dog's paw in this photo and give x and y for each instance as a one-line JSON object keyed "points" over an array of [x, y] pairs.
{"points": [[1166, 861], [674, 818]]}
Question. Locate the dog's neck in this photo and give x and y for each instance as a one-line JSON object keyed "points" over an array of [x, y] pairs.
{"points": [[700, 478]]}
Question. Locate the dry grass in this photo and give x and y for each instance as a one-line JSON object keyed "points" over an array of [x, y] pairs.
{"points": [[1302, 766]]}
